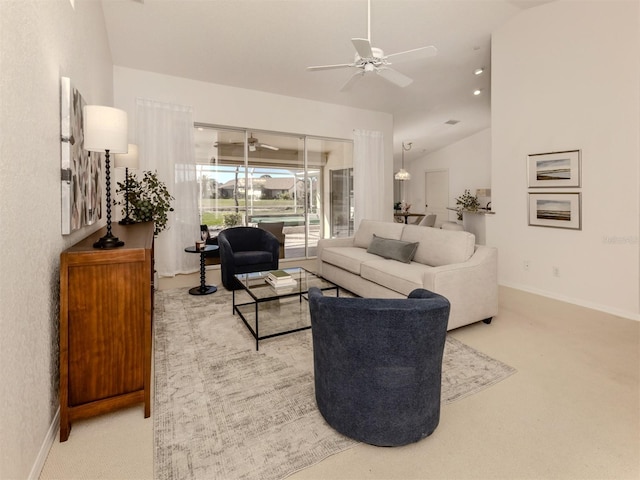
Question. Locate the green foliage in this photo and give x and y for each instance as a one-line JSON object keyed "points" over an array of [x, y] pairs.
{"points": [[284, 196], [149, 199], [231, 219], [466, 201]]}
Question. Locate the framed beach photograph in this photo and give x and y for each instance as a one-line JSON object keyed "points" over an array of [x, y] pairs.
{"points": [[560, 210], [557, 169]]}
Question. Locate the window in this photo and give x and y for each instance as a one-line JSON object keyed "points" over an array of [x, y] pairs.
{"points": [[246, 177]]}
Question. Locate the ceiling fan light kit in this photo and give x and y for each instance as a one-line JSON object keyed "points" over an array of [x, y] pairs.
{"points": [[370, 60]]}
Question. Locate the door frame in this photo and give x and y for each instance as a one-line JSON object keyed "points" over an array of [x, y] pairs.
{"points": [[443, 213]]}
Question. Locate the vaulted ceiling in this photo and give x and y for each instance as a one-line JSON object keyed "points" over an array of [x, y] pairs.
{"points": [[266, 45]]}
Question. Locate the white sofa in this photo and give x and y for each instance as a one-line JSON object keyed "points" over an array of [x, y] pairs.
{"points": [[446, 262]]}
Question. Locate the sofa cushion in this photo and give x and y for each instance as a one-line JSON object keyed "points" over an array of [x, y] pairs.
{"points": [[347, 258], [400, 277], [367, 228], [440, 247], [393, 249]]}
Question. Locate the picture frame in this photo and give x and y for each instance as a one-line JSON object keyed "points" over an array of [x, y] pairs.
{"points": [[556, 169], [80, 170], [555, 209]]}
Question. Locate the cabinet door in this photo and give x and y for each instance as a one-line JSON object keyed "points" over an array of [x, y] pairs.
{"points": [[106, 330]]}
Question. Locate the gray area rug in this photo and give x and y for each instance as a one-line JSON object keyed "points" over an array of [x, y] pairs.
{"points": [[224, 411]]}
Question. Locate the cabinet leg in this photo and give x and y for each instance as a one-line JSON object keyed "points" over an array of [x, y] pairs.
{"points": [[65, 429]]}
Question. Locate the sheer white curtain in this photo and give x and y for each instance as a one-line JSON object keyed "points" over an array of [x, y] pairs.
{"points": [[368, 175], [165, 142]]}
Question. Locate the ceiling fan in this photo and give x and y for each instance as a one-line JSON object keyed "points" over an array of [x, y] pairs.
{"points": [[369, 60], [254, 144]]}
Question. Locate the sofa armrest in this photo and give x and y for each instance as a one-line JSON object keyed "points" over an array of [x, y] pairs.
{"points": [[471, 286], [330, 242]]}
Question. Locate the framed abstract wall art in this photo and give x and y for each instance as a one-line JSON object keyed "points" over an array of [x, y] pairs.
{"points": [[81, 171], [557, 169], [560, 210]]}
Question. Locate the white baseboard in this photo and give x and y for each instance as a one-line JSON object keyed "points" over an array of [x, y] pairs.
{"points": [[47, 443], [592, 306]]}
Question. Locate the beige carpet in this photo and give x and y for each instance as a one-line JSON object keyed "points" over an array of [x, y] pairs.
{"points": [[223, 410]]}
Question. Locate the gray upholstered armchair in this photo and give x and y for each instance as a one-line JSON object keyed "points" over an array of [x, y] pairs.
{"points": [[378, 364], [245, 250]]}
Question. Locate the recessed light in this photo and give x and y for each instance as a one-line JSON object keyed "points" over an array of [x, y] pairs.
{"points": [[477, 92], [452, 122], [478, 71]]}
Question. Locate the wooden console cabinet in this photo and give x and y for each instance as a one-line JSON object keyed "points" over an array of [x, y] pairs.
{"points": [[106, 310]]}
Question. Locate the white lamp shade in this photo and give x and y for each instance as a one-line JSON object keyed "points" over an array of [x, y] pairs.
{"points": [[105, 128], [129, 159]]}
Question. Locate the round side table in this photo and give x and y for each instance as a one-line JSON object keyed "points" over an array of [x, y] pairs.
{"points": [[203, 289]]}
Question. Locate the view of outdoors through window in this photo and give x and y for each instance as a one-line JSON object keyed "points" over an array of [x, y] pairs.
{"points": [[301, 184]]}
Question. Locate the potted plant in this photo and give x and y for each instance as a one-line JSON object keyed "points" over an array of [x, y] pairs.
{"points": [[467, 202], [149, 199]]}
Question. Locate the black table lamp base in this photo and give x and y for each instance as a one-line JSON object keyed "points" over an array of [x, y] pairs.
{"points": [[108, 241]]}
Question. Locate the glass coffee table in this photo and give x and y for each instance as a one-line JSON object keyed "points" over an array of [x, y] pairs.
{"points": [[272, 312]]}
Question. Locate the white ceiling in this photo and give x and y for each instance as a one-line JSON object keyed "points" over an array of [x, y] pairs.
{"points": [[266, 45]]}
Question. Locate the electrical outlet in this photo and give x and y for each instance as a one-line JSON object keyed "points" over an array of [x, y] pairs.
{"points": [[525, 264], [556, 271]]}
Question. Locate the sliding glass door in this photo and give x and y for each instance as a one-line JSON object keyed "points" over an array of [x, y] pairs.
{"points": [[249, 177]]}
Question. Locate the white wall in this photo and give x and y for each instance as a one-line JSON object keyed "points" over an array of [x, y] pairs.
{"points": [[236, 107], [40, 41], [565, 76], [469, 165]]}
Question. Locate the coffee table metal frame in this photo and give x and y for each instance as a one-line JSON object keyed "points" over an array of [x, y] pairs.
{"points": [[260, 291]]}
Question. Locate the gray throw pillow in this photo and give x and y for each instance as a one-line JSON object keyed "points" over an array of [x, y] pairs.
{"points": [[393, 249]]}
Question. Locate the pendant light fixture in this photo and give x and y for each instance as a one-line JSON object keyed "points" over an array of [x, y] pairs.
{"points": [[402, 174]]}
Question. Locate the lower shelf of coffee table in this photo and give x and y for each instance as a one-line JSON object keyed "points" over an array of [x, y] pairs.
{"points": [[275, 317]]}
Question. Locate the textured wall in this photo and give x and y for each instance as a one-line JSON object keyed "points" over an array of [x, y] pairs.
{"points": [[565, 76], [224, 105], [40, 41], [469, 164]]}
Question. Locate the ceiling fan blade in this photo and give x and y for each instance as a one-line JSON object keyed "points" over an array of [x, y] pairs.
{"points": [[352, 81], [415, 54], [394, 77], [363, 47], [330, 67], [269, 147]]}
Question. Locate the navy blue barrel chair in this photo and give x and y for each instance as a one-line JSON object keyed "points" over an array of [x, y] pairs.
{"points": [[246, 250], [378, 364]]}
